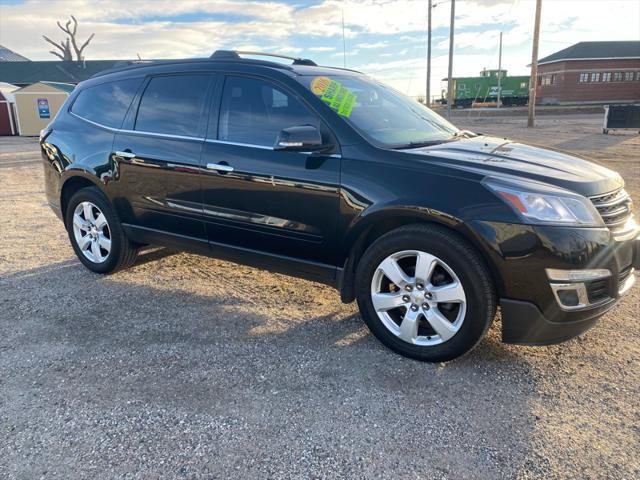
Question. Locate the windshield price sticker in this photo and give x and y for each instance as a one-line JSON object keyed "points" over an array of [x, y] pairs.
{"points": [[334, 94]]}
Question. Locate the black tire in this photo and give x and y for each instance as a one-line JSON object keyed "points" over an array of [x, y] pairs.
{"points": [[462, 258], [123, 253]]}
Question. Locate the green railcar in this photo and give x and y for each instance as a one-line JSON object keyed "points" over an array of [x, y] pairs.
{"points": [[467, 90]]}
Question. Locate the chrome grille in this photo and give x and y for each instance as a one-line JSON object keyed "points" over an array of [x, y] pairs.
{"points": [[615, 208]]}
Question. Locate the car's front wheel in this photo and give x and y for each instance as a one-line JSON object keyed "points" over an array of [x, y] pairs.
{"points": [[96, 234], [425, 293]]}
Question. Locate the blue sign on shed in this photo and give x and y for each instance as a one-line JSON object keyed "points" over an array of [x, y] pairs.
{"points": [[43, 108]]}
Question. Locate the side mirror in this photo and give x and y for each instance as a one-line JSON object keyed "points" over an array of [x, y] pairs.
{"points": [[300, 138]]}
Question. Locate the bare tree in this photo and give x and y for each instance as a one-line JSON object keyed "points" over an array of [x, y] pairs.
{"points": [[65, 45]]}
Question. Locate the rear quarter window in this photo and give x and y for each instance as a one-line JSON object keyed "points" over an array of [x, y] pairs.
{"points": [[173, 105], [107, 103]]}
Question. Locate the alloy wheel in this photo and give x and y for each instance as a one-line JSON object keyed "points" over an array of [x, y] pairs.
{"points": [[418, 297], [91, 232]]}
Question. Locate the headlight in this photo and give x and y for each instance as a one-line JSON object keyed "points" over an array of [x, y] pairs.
{"points": [[553, 208]]}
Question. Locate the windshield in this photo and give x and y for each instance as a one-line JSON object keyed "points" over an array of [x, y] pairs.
{"points": [[384, 116]]}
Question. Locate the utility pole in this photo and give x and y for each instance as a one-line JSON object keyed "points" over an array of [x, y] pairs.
{"points": [[499, 71], [534, 66], [450, 74], [344, 44], [429, 8]]}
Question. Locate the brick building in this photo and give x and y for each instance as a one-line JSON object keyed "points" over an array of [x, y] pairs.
{"points": [[590, 72]]}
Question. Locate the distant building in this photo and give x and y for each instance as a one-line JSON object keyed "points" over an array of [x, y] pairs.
{"points": [[37, 104], [8, 119], [7, 55], [590, 72], [23, 73]]}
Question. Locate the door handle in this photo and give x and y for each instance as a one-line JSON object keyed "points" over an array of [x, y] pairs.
{"points": [[126, 154], [221, 167]]}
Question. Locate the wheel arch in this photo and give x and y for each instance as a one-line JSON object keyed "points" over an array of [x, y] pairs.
{"points": [[368, 229], [71, 185]]}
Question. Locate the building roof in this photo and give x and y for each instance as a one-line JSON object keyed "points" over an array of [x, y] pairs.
{"points": [[26, 73], [595, 50], [7, 55], [64, 87]]}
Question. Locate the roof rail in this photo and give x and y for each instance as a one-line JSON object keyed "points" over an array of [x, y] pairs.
{"points": [[235, 55]]}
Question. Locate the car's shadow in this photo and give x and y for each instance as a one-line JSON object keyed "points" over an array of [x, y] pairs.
{"points": [[89, 356]]}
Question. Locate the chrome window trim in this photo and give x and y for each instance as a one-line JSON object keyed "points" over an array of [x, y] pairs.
{"points": [[184, 137], [239, 144], [262, 147], [111, 129], [137, 132]]}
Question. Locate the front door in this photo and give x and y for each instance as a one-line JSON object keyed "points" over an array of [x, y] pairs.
{"points": [[159, 158], [278, 203]]}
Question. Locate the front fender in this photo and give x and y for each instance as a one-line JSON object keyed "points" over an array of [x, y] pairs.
{"points": [[393, 213]]}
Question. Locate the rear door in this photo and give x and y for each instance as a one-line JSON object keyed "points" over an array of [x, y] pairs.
{"points": [[254, 197], [159, 151]]}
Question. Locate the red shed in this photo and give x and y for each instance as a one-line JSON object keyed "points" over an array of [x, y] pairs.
{"points": [[8, 125]]}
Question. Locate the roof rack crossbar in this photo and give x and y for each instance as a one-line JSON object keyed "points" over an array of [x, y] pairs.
{"points": [[235, 54]]}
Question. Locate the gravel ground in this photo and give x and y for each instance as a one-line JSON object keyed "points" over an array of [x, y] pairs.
{"points": [[190, 367]]}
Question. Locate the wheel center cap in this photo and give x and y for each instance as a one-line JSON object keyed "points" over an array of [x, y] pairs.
{"points": [[418, 297], [94, 232]]}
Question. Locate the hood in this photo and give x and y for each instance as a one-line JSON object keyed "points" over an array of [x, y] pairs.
{"points": [[502, 158]]}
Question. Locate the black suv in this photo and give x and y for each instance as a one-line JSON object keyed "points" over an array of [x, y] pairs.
{"points": [[327, 174]]}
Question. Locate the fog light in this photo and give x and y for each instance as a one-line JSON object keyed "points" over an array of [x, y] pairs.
{"points": [[568, 298], [557, 275]]}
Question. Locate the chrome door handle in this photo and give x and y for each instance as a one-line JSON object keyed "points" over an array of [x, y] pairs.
{"points": [[220, 167], [126, 154]]}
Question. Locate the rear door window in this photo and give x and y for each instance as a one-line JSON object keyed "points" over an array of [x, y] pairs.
{"points": [[254, 111], [107, 103], [174, 105]]}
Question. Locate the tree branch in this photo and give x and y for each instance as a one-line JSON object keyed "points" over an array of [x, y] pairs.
{"points": [[65, 46], [56, 54], [75, 26], [86, 43], [53, 43]]}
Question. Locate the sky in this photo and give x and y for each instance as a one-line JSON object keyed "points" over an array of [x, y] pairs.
{"points": [[383, 38]]}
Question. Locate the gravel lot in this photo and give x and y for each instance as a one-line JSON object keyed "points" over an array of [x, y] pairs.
{"points": [[190, 367]]}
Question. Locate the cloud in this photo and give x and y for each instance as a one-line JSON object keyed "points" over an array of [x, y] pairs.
{"points": [[372, 45], [321, 49], [195, 28]]}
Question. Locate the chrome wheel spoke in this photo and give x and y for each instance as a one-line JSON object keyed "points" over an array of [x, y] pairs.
{"points": [[95, 250], [79, 222], [394, 272], [101, 221], [425, 264], [443, 327], [85, 242], [387, 301], [409, 326], [104, 242], [451, 293], [88, 211]]}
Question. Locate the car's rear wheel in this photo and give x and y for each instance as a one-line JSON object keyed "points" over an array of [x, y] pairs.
{"points": [[425, 293], [96, 234]]}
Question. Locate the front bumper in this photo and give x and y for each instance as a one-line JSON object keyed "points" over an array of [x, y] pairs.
{"points": [[524, 324], [532, 311]]}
